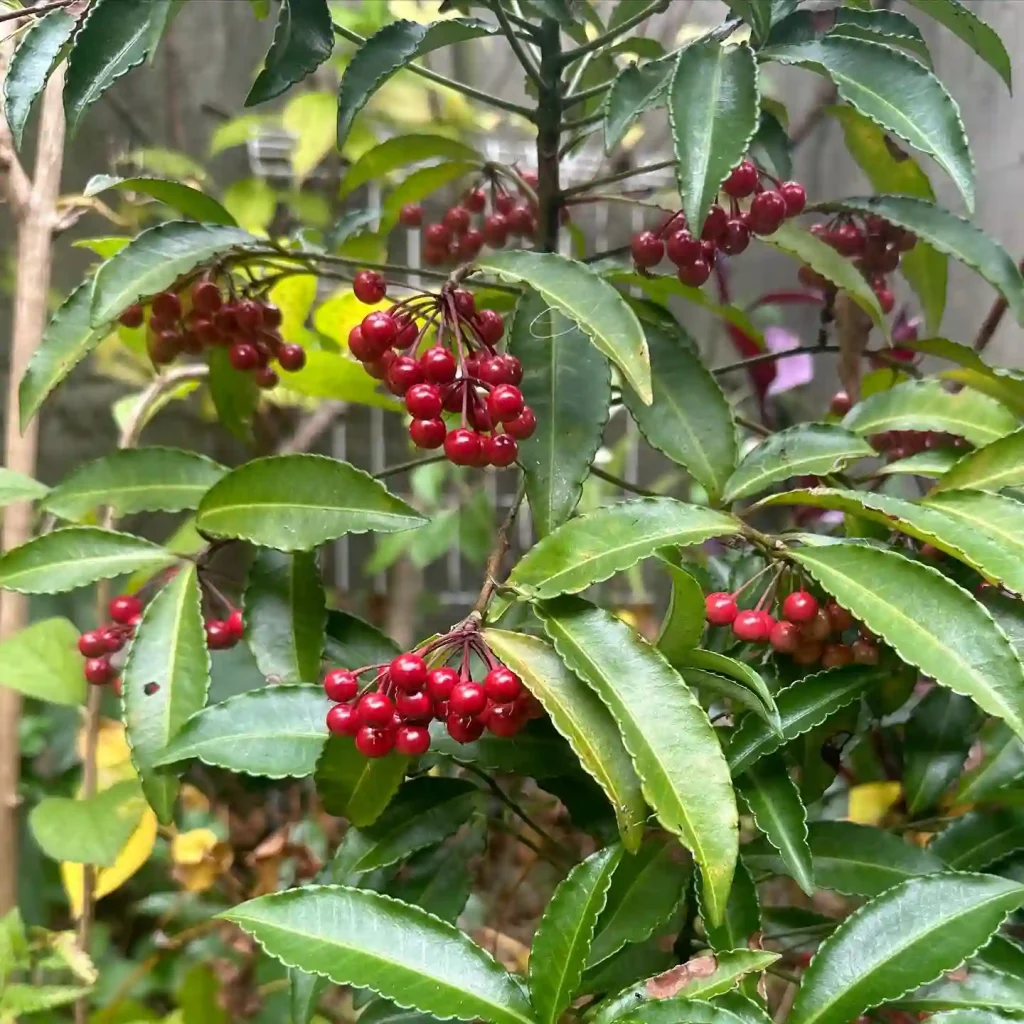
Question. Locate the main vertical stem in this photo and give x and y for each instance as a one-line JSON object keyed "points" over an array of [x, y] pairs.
{"points": [[549, 120]]}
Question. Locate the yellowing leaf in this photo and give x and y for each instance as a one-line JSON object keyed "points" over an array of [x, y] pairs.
{"points": [[199, 858], [871, 801], [340, 312], [252, 202], [294, 296], [310, 117]]}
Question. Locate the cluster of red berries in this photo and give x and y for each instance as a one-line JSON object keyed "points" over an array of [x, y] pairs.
{"points": [[204, 317], [395, 711], [461, 372], [456, 238], [727, 232], [872, 242], [803, 629], [100, 646]]}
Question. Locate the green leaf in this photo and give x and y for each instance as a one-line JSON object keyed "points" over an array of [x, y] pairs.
{"points": [[886, 27], [88, 830], [285, 615], [595, 546], [33, 60], [18, 999], [296, 502], [439, 880], [578, 715], [995, 517], [997, 465], [756, 13], [981, 38], [821, 257], [780, 815], [567, 383], [732, 668], [889, 169], [689, 420], [276, 732], [42, 661], [980, 838], [155, 259], [1002, 762], [851, 859], [950, 234], [352, 643], [420, 184], [727, 689], [361, 938], [742, 924], [391, 49], [18, 487], [1001, 954], [803, 706], [646, 891], [354, 787], [982, 988], [303, 40], [934, 462], [927, 405], [183, 198], [713, 111], [234, 395], [75, 557], [937, 740], [636, 89], [901, 939], [808, 448], [696, 1011], [401, 151], [897, 92], [586, 299], [113, 37], [562, 942], [164, 683], [539, 752], [771, 145], [928, 620], [674, 748], [683, 625], [135, 480]]}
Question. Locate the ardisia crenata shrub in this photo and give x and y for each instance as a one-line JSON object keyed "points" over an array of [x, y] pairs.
{"points": [[798, 800]]}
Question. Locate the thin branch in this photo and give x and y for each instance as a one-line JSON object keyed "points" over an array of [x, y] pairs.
{"points": [[623, 484], [769, 357], [611, 179], [588, 94], [658, 7], [405, 467], [826, 96], [310, 429], [35, 11], [529, 64], [619, 250], [493, 566], [991, 322], [582, 122], [754, 427]]}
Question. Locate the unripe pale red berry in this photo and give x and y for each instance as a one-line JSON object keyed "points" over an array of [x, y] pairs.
{"points": [[807, 654], [784, 637], [835, 655], [864, 652], [839, 617], [840, 404], [817, 630]]}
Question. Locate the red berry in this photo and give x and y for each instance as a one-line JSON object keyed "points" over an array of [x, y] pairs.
{"points": [[462, 446], [92, 644], [341, 685], [436, 255], [437, 235], [219, 635], [795, 197], [505, 719], [750, 626], [886, 299], [864, 652], [505, 402], [236, 623], [408, 671], [412, 740], [375, 709], [800, 606], [648, 249], [424, 401], [244, 356], [682, 248], [504, 203], [163, 347], [784, 637], [714, 224], [847, 239], [491, 370], [133, 316], [379, 329], [114, 638], [414, 707], [365, 351], [369, 287], [530, 177], [905, 241], [456, 219], [767, 212], [816, 631], [437, 365], [475, 200], [166, 305], [501, 450], [465, 304], [403, 373], [411, 215], [428, 433], [496, 230], [343, 720], [840, 404], [291, 357], [834, 655], [440, 682], [469, 245], [523, 425], [490, 326], [463, 729], [266, 378], [694, 274], [807, 654], [839, 618], [249, 315], [720, 609], [375, 742], [735, 238], [742, 181], [206, 297], [502, 685], [521, 221], [467, 698], [98, 671], [124, 608]]}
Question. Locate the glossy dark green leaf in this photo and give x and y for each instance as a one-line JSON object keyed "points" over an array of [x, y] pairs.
{"points": [[595, 546], [689, 420], [636, 89], [296, 502], [155, 259], [562, 941], [234, 395], [902, 939], [285, 615], [135, 480], [683, 625], [733, 668], [18, 487], [579, 716], [276, 732], [771, 146], [997, 465], [303, 40], [779, 814], [567, 383], [890, 28], [361, 938], [75, 557], [896, 92], [980, 838], [30, 67], [741, 925], [936, 743], [439, 879], [980, 37], [756, 13], [352, 643], [928, 620], [42, 661], [164, 683], [355, 787], [187, 200], [713, 110], [1002, 762], [981, 988], [1001, 954], [375, 164], [673, 746]]}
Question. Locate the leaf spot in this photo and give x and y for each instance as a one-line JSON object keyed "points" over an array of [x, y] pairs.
{"points": [[672, 981]]}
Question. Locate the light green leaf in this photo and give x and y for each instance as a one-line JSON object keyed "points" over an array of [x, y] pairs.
{"points": [[1002, 762], [252, 202], [401, 151], [17, 999], [595, 546], [164, 683], [234, 395], [355, 787], [673, 746], [303, 40], [563, 938], [732, 668], [808, 448], [997, 465], [636, 89], [979, 36], [567, 383], [713, 110], [183, 198], [338, 376], [18, 487], [579, 716], [994, 517], [365, 939], [742, 923], [980, 838], [296, 502], [75, 557], [276, 732], [586, 299], [42, 661], [683, 625], [934, 462], [135, 480], [982, 989]]}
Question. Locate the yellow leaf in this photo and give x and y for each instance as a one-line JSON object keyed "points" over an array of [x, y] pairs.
{"points": [[192, 846], [199, 858], [294, 296], [340, 312], [252, 202], [311, 117], [871, 801]]}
